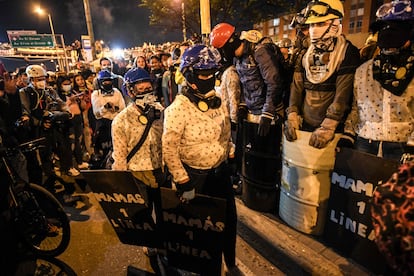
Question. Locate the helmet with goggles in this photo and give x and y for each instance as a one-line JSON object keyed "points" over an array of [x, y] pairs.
{"points": [[395, 10], [323, 10], [298, 21]]}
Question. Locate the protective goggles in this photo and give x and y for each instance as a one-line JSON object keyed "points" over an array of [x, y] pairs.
{"points": [[319, 9], [393, 8]]}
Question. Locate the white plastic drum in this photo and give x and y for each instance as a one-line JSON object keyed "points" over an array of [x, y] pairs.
{"points": [[305, 183]]}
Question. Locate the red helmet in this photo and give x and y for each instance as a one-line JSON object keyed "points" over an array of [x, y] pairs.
{"points": [[220, 34]]}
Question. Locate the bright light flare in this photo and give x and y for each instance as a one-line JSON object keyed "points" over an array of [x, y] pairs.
{"points": [[39, 10], [118, 53]]}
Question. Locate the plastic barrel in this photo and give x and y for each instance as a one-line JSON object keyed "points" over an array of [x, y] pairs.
{"points": [[306, 184], [261, 168]]}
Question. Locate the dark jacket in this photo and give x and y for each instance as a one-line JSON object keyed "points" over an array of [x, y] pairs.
{"points": [[261, 77]]}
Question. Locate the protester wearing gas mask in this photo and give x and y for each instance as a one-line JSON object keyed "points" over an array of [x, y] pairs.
{"points": [[196, 140], [321, 92], [382, 113], [107, 102], [136, 139]]}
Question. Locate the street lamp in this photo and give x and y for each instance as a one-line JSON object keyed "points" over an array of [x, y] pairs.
{"points": [[183, 19], [40, 11]]}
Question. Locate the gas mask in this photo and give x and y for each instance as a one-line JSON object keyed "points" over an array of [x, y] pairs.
{"points": [[394, 70], [146, 98]]}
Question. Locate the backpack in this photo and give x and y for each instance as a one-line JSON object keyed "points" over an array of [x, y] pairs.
{"points": [[392, 210]]}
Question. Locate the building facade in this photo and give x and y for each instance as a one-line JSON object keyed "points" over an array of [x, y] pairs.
{"points": [[359, 14]]}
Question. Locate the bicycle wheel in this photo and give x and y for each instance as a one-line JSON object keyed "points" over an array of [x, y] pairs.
{"points": [[50, 234]]}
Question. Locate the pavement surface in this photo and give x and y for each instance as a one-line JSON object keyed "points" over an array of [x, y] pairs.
{"points": [[285, 250], [299, 249]]}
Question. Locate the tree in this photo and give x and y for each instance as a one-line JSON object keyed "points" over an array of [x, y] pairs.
{"points": [[166, 14]]}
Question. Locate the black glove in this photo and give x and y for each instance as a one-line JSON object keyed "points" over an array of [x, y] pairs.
{"points": [[347, 140], [185, 191], [242, 113], [264, 126]]}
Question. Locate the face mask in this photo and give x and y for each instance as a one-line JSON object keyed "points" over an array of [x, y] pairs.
{"points": [[205, 86], [316, 32], [66, 87], [40, 84], [333, 29]]}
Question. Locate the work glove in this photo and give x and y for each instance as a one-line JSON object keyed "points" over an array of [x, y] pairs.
{"points": [[291, 125], [264, 124], [185, 191], [242, 113], [324, 134], [347, 140], [408, 154]]}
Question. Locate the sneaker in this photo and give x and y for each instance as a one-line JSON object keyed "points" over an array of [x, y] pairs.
{"points": [[73, 172], [83, 166]]}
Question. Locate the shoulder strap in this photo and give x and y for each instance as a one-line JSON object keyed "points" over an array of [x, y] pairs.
{"points": [[140, 142]]}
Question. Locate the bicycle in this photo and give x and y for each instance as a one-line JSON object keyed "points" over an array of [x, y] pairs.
{"points": [[36, 215]]}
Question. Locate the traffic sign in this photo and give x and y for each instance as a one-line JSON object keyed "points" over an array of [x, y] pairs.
{"points": [[37, 40]]}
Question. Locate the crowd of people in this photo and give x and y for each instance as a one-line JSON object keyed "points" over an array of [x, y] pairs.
{"points": [[177, 116]]}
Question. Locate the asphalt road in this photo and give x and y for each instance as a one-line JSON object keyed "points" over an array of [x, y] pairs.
{"points": [[94, 248]]}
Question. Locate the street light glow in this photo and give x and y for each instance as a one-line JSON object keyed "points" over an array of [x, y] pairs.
{"points": [[39, 10]]}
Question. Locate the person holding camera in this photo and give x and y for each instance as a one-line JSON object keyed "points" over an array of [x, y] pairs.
{"points": [[45, 114], [107, 102]]}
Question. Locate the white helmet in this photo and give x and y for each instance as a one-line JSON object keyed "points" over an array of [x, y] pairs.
{"points": [[35, 71]]}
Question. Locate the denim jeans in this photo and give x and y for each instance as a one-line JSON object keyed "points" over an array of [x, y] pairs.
{"points": [[390, 150]]}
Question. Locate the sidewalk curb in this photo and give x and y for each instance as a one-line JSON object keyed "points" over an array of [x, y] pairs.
{"points": [[312, 256]]}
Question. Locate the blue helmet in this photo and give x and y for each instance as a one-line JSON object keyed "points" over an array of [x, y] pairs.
{"points": [[104, 75], [135, 75], [396, 10], [200, 57]]}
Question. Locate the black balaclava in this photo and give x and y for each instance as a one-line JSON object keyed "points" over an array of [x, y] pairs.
{"points": [[230, 47]]}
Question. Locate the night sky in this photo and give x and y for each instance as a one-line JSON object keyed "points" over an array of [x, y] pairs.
{"points": [[120, 23]]}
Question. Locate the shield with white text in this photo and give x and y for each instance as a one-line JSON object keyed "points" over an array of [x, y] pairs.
{"points": [[123, 199], [348, 225]]}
